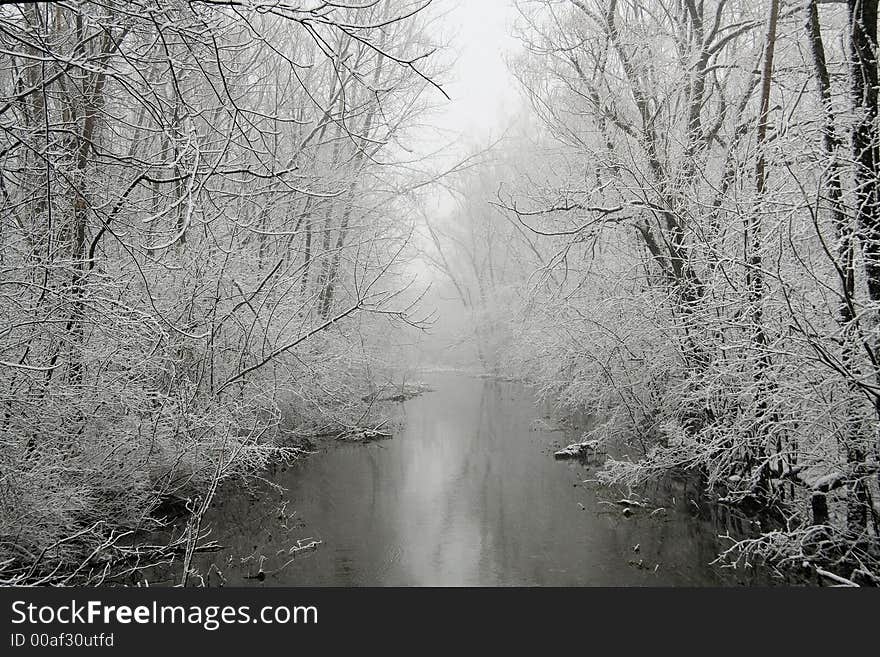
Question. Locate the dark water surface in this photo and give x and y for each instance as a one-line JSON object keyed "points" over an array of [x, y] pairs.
{"points": [[467, 493]]}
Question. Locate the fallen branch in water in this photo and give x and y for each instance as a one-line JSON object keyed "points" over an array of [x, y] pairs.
{"points": [[843, 581], [359, 434], [303, 544], [577, 450], [628, 502], [364, 434]]}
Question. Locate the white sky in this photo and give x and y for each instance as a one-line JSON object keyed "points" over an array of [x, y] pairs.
{"points": [[482, 89]]}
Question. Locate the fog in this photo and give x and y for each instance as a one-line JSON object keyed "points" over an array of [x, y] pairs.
{"points": [[483, 100]]}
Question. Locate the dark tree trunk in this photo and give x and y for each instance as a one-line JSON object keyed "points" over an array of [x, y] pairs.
{"points": [[863, 74]]}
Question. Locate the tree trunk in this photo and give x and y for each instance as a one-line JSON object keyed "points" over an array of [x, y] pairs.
{"points": [[863, 80]]}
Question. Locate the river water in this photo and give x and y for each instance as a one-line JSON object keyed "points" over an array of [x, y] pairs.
{"points": [[466, 493]]}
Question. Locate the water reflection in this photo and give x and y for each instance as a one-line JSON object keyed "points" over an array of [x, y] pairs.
{"points": [[467, 494]]}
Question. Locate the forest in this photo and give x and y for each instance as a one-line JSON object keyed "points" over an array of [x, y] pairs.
{"points": [[221, 228]]}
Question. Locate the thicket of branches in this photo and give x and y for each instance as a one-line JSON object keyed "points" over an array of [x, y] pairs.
{"points": [[698, 224], [198, 199]]}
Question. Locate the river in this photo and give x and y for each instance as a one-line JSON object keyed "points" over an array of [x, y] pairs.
{"points": [[466, 493]]}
